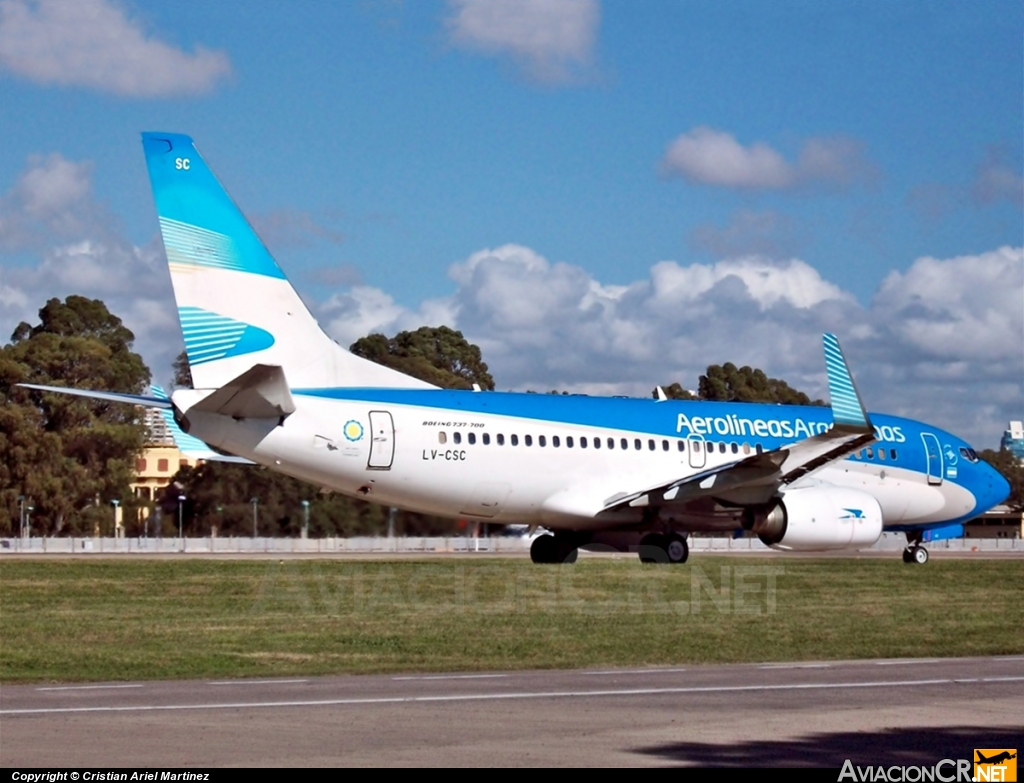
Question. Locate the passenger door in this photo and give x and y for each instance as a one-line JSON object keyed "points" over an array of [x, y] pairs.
{"points": [[933, 455], [382, 441]]}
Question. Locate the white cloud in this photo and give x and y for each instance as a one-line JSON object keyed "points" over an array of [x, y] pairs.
{"points": [[940, 341], [51, 210], [711, 157], [551, 40], [51, 197], [93, 43]]}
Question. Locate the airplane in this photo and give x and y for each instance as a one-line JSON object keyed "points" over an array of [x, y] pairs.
{"points": [[271, 387], [1004, 756]]}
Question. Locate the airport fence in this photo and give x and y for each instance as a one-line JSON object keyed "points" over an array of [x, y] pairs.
{"points": [[413, 545]]}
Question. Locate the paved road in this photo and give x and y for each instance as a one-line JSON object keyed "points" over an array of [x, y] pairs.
{"points": [[873, 712]]}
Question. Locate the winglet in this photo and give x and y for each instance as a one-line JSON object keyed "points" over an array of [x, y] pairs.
{"points": [[847, 407]]}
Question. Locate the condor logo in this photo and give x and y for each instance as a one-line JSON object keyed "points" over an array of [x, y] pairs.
{"points": [[995, 764]]}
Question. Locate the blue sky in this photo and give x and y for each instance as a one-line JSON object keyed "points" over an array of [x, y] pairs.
{"points": [[603, 195]]}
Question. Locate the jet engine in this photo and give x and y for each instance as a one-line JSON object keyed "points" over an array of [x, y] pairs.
{"points": [[818, 519]]}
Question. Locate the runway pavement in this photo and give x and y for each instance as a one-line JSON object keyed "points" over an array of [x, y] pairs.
{"points": [[873, 712]]}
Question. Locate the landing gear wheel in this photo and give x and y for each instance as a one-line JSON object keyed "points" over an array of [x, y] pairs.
{"points": [[915, 554], [554, 549], [677, 549], [543, 549], [652, 549], [566, 548]]}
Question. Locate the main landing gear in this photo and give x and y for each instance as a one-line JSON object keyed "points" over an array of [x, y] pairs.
{"points": [[558, 548], [658, 548], [915, 553]]}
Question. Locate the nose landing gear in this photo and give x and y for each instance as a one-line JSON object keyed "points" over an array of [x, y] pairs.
{"points": [[915, 553]]}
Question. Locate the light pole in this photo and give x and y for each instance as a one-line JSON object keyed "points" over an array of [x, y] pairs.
{"points": [[21, 516], [115, 504], [181, 506], [305, 519], [255, 514], [28, 520]]}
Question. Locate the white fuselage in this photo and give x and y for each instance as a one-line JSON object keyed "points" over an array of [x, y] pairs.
{"points": [[436, 461]]}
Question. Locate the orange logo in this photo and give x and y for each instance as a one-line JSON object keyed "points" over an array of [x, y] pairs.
{"points": [[998, 765]]}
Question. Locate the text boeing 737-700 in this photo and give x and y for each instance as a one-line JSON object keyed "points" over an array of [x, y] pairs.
{"points": [[273, 388]]}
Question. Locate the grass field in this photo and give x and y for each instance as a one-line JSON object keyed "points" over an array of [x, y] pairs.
{"points": [[132, 619]]}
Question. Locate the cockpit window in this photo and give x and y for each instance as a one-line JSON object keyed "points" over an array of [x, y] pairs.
{"points": [[970, 454]]}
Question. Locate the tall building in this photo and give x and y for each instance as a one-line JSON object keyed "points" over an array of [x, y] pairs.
{"points": [[1013, 439]]}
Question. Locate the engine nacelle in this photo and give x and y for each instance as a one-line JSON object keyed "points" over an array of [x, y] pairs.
{"points": [[819, 519]]}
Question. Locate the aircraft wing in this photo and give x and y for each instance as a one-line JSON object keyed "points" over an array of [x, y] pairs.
{"points": [[758, 477]]}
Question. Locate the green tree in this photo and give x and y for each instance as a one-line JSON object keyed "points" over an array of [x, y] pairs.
{"points": [[70, 455], [726, 383], [1006, 463], [220, 494], [182, 372], [674, 391], [435, 354]]}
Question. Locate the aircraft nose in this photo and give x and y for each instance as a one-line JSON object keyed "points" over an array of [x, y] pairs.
{"points": [[994, 488]]}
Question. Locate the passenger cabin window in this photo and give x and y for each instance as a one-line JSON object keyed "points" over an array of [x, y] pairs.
{"points": [[583, 443], [881, 454], [696, 446], [735, 448], [624, 444], [442, 438], [746, 448], [650, 444], [758, 449], [556, 441], [501, 439], [682, 445], [542, 441], [471, 438], [487, 439], [871, 453], [528, 439], [636, 444], [597, 443], [892, 453], [515, 440], [721, 447], [568, 441], [457, 437]]}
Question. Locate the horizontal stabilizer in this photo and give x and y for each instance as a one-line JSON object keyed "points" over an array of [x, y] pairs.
{"points": [[261, 392], [190, 445], [129, 399]]}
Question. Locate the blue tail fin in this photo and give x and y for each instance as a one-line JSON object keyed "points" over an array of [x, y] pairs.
{"points": [[235, 305]]}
